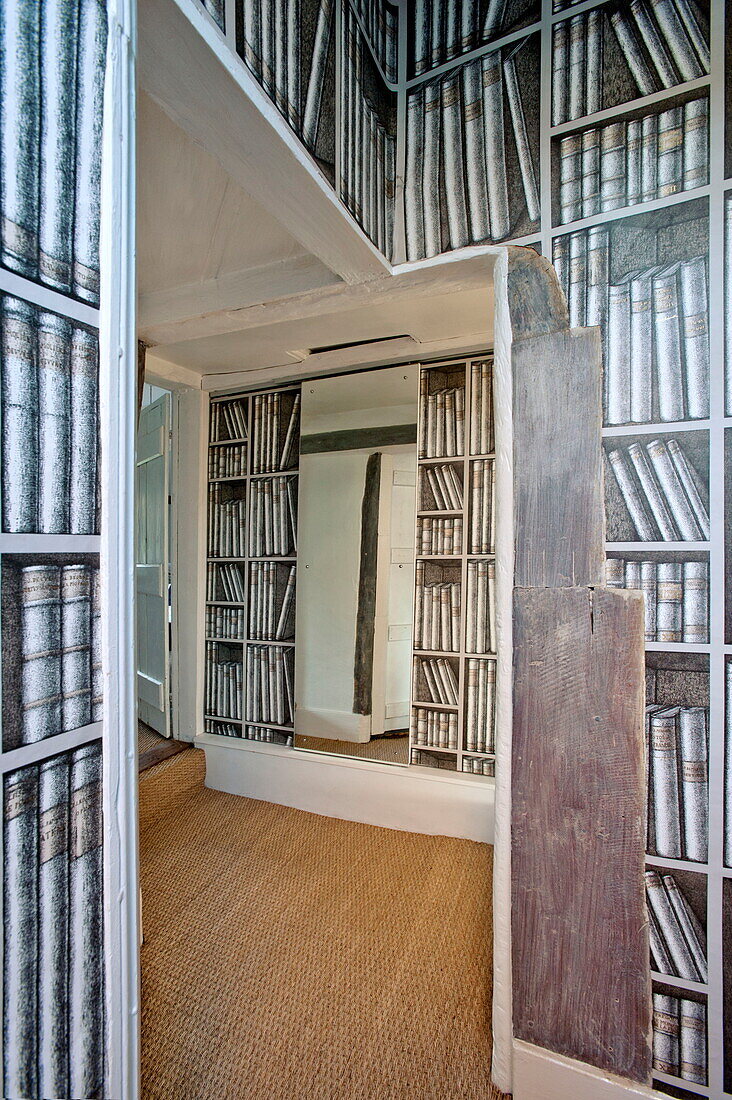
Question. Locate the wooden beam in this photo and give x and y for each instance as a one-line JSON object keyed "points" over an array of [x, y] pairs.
{"points": [[536, 301], [185, 65], [232, 290], [558, 489], [472, 272], [581, 981]]}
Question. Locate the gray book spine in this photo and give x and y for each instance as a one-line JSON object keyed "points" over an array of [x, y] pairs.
{"points": [[577, 298], [633, 169], [86, 925], [20, 932], [576, 66], [422, 47], [20, 97], [691, 928], [89, 105], [649, 589], [673, 491], [660, 958], [40, 643], [572, 174], [431, 163], [252, 38], [645, 79], [618, 371], [457, 216], [495, 146], [597, 276], [667, 334], [641, 360], [695, 334], [688, 478], [84, 433], [669, 601], [631, 495], [58, 42], [664, 770], [666, 1033], [649, 158], [76, 646], [696, 602], [413, 207], [654, 43], [54, 350], [53, 915], [677, 39], [668, 924], [314, 94], [693, 1040], [520, 133], [696, 143], [475, 165], [593, 62], [19, 416], [613, 142], [691, 26], [670, 152], [560, 72]]}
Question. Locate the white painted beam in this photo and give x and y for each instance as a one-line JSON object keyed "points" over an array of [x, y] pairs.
{"points": [[232, 290], [186, 66]]}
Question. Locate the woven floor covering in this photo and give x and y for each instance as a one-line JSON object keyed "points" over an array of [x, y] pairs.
{"points": [[291, 955]]}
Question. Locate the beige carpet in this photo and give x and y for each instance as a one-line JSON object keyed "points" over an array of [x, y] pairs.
{"points": [[289, 955], [390, 750]]}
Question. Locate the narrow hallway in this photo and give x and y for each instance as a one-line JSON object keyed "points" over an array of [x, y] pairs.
{"points": [[291, 954]]}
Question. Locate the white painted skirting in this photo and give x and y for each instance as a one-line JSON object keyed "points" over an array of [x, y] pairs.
{"points": [[539, 1074], [410, 799]]}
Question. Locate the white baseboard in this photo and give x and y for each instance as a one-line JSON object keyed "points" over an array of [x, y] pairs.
{"points": [[538, 1074], [336, 725], [412, 799]]}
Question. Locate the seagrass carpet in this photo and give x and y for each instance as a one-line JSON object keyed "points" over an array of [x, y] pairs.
{"points": [[291, 955]]}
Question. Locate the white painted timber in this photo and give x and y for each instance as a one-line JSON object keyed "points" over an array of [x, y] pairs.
{"points": [[539, 1074], [117, 414], [410, 799], [205, 89]]}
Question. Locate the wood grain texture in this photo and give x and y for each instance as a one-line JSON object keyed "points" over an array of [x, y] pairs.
{"points": [[581, 982], [535, 298], [364, 654], [557, 457]]}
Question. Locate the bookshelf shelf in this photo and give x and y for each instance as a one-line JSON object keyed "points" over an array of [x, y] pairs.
{"points": [[638, 104], [610, 430], [679, 983], [678, 647], [679, 1082], [224, 443], [623, 212], [676, 864], [215, 480], [655, 547], [11, 759]]}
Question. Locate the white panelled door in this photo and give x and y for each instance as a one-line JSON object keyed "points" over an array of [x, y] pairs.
{"points": [[151, 564]]}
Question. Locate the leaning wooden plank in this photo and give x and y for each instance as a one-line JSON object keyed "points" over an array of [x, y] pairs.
{"points": [[557, 459], [581, 980], [536, 301]]}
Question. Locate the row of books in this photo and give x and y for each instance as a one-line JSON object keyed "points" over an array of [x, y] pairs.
{"points": [[228, 623], [680, 1037], [436, 614], [664, 43], [53, 926], [269, 42], [224, 682], [227, 461], [677, 781], [273, 413], [439, 537], [482, 507], [52, 675], [270, 685], [655, 326], [51, 100], [480, 629], [248, 733], [380, 21], [676, 596], [271, 611], [480, 690], [478, 767], [441, 421], [229, 421], [437, 729], [446, 486], [225, 583], [443, 31], [427, 759], [227, 525], [274, 517], [49, 390], [481, 408], [677, 939], [626, 163], [440, 681], [368, 147], [662, 491], [456, 140]]}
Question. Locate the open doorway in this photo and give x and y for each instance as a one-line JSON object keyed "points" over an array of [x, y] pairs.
{"points": [[153, 576]]}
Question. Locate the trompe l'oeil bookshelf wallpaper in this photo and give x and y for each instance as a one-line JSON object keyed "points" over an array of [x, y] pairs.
{"points": [[51, 84], [598, 133]]}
